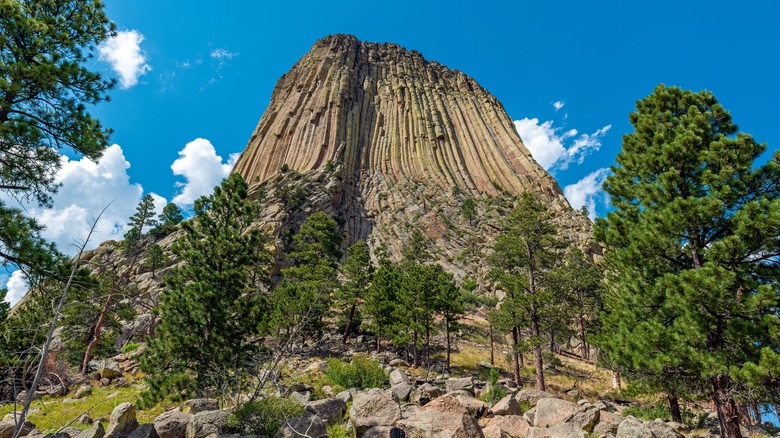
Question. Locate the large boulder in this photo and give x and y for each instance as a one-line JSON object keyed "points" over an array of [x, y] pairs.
{"points": [[172, 424], [310, 426], [585, 418], [506, 426], [122, 421], [371, 408], [460, 404], [464, 384], [506, 406], [552, 411], [402, 391], [633, 428], [608, 424], [397, 376], [144, 431], [8, 425], [532, 396], [425, 393], [96, 431], [108, 369], [328, 410], [557, 431], [661, 429], [196, 405], [385, 432], [206, 424], [432, 423]]}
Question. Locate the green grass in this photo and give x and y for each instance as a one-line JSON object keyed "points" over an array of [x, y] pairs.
{"points": [[51, 413]]}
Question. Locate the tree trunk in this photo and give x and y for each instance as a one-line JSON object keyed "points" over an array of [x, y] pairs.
{"points": [[674, 408], [427, 347], [585, 349], [96, 334], [537, 350], [728, 414], [349, 324], [515, 354], [447, 330], [490, 333], [616, 383], [416, 351]]}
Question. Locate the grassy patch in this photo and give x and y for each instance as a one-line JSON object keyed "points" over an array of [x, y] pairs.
{"points": [[50, 414]]}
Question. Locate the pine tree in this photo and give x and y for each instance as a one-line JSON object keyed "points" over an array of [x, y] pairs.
{"points": [[167, 221], [692, 249], [469, 209], [303, 297], [214, 307], [357, 269], [449, 303], [380, 300], [579, 284], [521, 263], [155, 258], [141, 219]]}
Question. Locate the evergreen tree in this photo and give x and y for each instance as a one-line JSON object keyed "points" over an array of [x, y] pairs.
{"points": [[449, 304], [155, 258], [213, 309], [579, 282], [521, 263], [380, 300], [469, 209], [142, 218], [692, 249], [167, 221], [357, 269], [303, 296]]}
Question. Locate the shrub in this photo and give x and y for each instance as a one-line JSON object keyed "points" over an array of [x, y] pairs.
{"points": [[494, 391], [130, 347], [263, 417], [551, 359], [361, 373]]}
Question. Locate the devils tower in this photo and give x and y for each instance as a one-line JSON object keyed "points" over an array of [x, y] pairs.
{"points": [[398, 141]]}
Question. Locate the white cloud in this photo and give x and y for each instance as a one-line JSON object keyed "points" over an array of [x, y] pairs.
{"points": [[124, 53], [558, 104], [87, 187], [222, 54], [548, 145], [202, 169], [588, 192], [17, 286]]}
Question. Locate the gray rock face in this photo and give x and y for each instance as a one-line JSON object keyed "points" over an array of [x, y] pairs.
{"points": [[172, 424], [506, 406], [401, 392], [374, 407], [532, 396], [301, 398], [661, 430], [96, 431], [122, 422], [506, 426], [425, 393], [464, 384], [385, 432], [196, 405], [328, 410], [608, 424], [144, 431], [557, 431], [585, 418], [207, 424], [631, 428], [432, 423], [397, 376], [552, 411], [459, 404], [305, 426], [109, 369], [8, 425]]}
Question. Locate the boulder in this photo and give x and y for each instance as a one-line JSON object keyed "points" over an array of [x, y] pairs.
{"points": [[401, 391], [532, 396], [530, 415], [317, 367], [305, 426], [506, 406], [301, 398], [385, 432], [108, 369], [398, 363], [344, 395], [585, 418], [397, 376], [460, 404], [69, 431], [425, 393], [557, 431], [608, 424], [144, 431], [464, 384], [84, 391], [328, 410], [661, 430], [8, 425], [506, 426], [96, 431], [7, 429], [371, 408], [206, 424], [172, 424], [430, 423], [552, 411], [633, 428], [196, 405], [122, 421]]}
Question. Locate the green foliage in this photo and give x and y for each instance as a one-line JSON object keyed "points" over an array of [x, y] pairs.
{"points": [[494, 392], [263, 417], [551, 359], [213, 309], [357, 271], [167, 221], [692, 251], [285, 168], [380, 299], [303, 297], [469, 209], [339, 431], [130, 347], [155, 258], [46, 89], [361, 373], [141, 219]]}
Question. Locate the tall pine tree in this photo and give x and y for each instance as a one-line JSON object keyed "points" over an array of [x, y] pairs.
{"points": [[692, 249]]}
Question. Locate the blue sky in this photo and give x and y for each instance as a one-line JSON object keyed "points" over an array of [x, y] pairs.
{"points": [[195, 78]]}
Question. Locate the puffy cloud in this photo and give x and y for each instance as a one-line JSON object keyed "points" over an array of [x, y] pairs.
{"points": [[87, 187], [202, 169], [222, 54], [17, 286], [549, 145], [124, 53], [558, 104], [588, 192]]}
